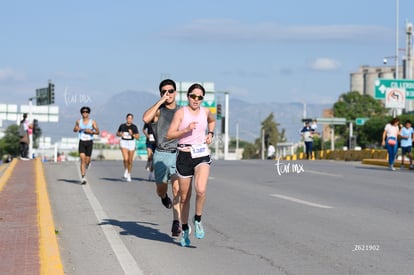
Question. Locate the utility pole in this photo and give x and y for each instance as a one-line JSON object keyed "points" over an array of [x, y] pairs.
{"points": [[396, 37]]}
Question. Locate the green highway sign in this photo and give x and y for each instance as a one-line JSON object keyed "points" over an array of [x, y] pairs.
{"points": [[381, 86], [331, 120], [360, 120]]}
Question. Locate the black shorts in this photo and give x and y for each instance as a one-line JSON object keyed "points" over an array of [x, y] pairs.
{"points": [[85, 146], [185, 163], [150, 145]]}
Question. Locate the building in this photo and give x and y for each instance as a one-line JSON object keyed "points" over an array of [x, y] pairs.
{"points": [[363, 80]]}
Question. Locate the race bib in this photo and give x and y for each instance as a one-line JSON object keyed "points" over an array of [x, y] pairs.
{"points": [[151, 138], [85, 136], [199, 150], [126, 135]]}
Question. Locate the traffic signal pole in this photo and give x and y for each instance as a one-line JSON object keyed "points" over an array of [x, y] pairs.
{"points": [[226, 126]]}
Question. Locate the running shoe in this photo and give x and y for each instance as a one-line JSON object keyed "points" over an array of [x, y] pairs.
{"points": [[166, 202], [176, 229], [185, 238], [125, 174], [199, 230], [83, 181], [151, 176], [128, 178]]}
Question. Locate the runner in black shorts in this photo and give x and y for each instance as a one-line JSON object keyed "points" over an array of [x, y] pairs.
{"points": [[85, 147], [194, 126], [86, 129]]}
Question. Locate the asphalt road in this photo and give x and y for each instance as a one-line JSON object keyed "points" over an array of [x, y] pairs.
{"points": [[261, 217]]}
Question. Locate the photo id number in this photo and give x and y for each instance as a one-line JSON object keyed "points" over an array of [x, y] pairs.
{"points": [[366, 247]]}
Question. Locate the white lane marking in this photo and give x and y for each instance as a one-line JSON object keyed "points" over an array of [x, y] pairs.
{"points": [[127, 262], [322, 173], [301, 201]]}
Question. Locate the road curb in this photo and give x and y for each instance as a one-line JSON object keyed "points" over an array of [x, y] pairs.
{"points": [[6, 175], [50, 261]]}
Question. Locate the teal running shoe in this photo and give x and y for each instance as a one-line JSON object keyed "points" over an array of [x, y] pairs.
{"points": [[185, 238], [199, 230]]}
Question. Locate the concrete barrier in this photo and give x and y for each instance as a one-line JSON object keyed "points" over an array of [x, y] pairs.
{"points": [[348, 155]]}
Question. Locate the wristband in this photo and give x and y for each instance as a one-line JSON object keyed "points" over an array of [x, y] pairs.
{"points": [[212, 133]]}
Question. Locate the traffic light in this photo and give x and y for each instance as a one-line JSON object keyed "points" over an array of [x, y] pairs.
{"points": [[36, 129], [218, 111], [51, 93]]}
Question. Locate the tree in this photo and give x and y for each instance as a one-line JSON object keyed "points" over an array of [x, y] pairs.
{"points": [[271, 134], [353, 105], [10, 143], [370, 134], [250, 152], [271, 131]]}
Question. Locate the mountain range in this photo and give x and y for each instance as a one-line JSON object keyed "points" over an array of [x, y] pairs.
{"points": [[245, 116]]}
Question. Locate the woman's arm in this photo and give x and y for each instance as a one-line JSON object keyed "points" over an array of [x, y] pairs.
{"points": [[211, 125]]}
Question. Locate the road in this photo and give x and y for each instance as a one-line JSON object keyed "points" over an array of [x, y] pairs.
{"points": [[261, 217]]}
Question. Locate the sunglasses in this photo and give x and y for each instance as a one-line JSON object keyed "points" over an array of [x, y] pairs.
{"points": [[170, 91], [196, 97], [85, 111]]}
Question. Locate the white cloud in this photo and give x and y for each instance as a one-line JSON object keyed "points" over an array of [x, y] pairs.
{"points": [[235, 31], [10, 74], [325, 64]]}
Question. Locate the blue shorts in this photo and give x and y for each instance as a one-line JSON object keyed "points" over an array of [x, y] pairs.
{"points": [[406, 149], [164, 166]]}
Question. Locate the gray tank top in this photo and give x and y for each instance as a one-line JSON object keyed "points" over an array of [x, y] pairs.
{"points": [[161, 129]]}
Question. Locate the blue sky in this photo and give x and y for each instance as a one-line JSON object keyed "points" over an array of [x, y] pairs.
{"points": [[258, 51]]}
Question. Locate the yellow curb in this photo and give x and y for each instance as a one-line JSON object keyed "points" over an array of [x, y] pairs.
{"points": [[380, 162], [6, 175], [50, 262]]}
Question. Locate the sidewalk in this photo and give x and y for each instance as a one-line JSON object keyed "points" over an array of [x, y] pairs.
{"points": [[28, 243]]}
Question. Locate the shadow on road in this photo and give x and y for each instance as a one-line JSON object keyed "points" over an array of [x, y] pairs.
{"points": [[122, 180], [142, 230], [70, 181]]}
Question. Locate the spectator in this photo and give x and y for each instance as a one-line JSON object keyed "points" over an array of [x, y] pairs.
{"points": [[389, 140]]}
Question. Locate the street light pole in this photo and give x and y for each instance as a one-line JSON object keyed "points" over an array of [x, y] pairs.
{"points": [[396, 37]]}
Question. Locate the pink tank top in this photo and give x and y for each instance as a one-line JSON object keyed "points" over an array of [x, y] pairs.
{"points": [[198, 135]]}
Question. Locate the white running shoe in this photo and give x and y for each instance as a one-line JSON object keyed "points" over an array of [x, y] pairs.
{"points": [[128, 178], [125, 174], [151, 176]]}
